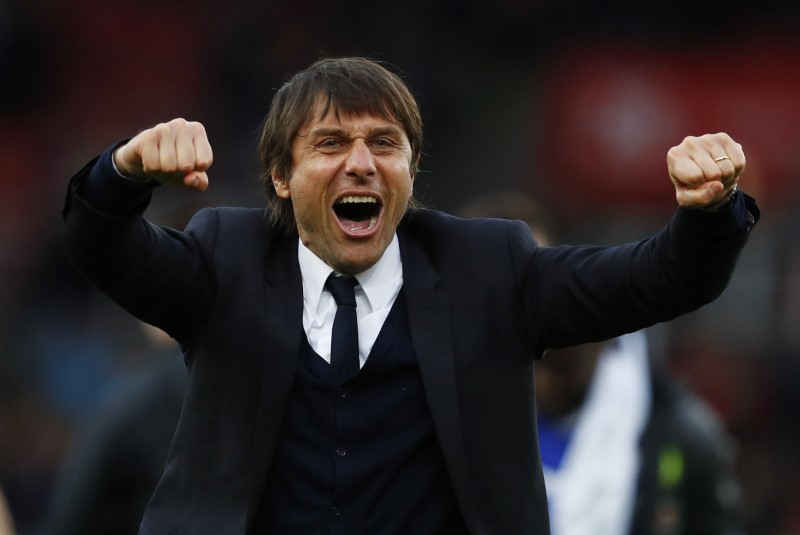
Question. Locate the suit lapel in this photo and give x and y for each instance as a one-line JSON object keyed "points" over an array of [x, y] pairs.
{"points": [[431, 327], [283, 331]]}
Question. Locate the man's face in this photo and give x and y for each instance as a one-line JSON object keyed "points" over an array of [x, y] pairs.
{"points": [[350, 186], [563, 378]]}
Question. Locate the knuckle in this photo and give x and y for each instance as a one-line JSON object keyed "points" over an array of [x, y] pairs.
{"points": [[151, 135], [694, 177], [708, 140], [177, 125], [690, 141], [675, 153]]}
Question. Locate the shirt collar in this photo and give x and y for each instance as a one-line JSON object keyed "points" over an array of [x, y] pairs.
{"points": [[380, 283]]}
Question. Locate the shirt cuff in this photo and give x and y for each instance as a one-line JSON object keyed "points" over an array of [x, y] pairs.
{"points": [[110, 192], [732, 220]]}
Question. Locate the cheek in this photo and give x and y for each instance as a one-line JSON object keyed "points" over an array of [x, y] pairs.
{"points": [[311, 217], [407, 191], [403, 182]]}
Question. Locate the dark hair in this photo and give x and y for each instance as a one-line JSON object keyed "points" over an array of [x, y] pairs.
{"points": [[351, 86]]}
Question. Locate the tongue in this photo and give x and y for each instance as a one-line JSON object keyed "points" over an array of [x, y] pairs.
{"points": [[351, 224]]}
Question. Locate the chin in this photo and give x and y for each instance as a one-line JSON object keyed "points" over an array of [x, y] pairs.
{"points": [[353, 266]]}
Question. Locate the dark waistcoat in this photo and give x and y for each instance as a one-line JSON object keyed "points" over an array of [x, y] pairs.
{"points": [[360, 456]]}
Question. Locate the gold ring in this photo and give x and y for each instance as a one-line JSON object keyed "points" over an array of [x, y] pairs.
{"points": [[722, 158]]}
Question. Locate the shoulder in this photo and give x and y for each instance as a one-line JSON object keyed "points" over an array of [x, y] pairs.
{"points": [[231, 234], [230, 221], [463, 251], [231, 216], [435, 226]]}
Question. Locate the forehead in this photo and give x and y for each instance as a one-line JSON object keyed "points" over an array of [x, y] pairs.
{"points": [[327, 113]]}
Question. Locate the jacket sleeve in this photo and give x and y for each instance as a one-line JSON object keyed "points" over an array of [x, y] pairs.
{"points": [[577, 294], [158, 274]]}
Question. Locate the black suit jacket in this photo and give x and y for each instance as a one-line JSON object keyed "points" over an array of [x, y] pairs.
{"points": [[483, 303]]}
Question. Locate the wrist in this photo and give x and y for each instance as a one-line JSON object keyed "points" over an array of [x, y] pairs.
{"points": [[726, 200], [120, 169]]}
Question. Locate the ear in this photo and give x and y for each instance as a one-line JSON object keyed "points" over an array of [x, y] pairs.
{"points": [[280, 184], [414, 169]]}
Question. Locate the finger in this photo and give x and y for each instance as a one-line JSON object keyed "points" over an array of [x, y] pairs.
{"points": [[705, 160], [186, 160], [726, 167], [735, 152], [196, 180], [204, 156], [698, 197], [150, 154], [684, 171], [684, 164], [727, 154], [167, 151]]}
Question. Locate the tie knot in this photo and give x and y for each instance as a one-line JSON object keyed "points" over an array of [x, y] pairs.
{"points": [[342, 289]]}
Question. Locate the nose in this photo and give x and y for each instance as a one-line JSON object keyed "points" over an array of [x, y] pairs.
{"points": [[360, 161]]}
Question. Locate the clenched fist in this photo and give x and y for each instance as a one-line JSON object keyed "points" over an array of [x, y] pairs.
{"points": [[705, 170], [176, 153]]}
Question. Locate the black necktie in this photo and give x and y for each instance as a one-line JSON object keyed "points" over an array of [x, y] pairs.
{"points": [[344, 339]]}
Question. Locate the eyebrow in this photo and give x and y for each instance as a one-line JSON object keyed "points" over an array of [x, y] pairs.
{"points": [[341, 132]]}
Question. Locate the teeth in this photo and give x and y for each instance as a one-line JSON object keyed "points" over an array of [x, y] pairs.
{"points": [[354, 199]]}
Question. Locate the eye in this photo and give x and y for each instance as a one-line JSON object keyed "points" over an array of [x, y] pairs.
{"points": [[330, 145], [383, 144]]}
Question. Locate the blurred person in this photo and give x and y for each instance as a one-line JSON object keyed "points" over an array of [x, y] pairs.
{"points": [[118, 458], [6, 522], [358, 364], [628, 451], [625, 448]]}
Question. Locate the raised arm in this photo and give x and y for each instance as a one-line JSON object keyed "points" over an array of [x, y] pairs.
{"points": [[595, 293], [160, 275]]}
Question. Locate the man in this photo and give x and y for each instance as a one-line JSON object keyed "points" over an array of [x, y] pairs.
{"points": [[117, 459], [628, 451], [432, 428], [625, 448]]}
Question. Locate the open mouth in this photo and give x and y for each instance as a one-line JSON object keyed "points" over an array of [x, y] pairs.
{"points": [[357, 212]]}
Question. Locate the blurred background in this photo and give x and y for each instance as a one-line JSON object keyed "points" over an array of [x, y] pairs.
{"points": [[573, 102]]}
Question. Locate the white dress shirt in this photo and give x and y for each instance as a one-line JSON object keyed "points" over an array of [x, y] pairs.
{"points": [[376, 292]]}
